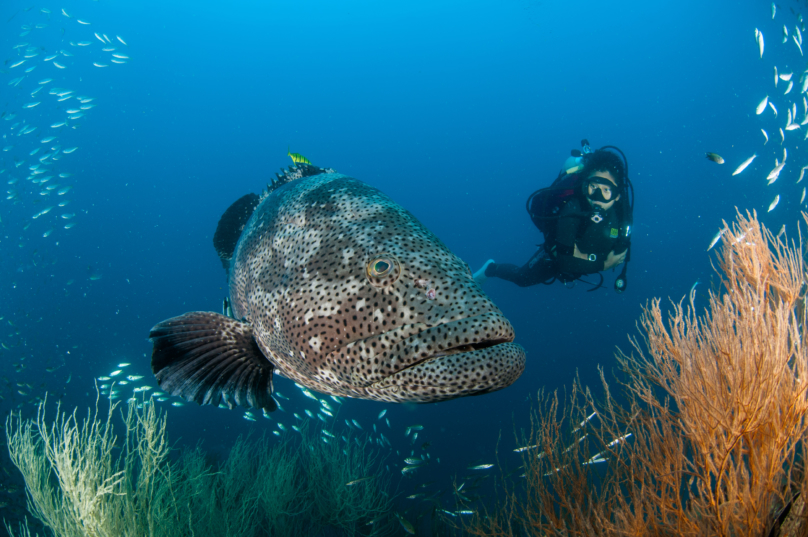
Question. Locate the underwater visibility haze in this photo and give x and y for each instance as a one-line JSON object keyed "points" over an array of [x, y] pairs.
{"points": [[129, 128]]}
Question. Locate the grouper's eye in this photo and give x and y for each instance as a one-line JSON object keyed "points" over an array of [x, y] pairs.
{"points": [[383, 270]]}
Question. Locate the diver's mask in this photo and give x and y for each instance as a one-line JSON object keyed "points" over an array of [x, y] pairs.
{"points": [[601, 186]]}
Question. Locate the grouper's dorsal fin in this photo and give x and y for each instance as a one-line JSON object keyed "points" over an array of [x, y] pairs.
{"points": [[231, 224], [293, 173]]}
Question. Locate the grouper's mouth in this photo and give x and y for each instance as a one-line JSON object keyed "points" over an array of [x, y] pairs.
{"points": [[465, 348], [451, 351], [422, 363]]}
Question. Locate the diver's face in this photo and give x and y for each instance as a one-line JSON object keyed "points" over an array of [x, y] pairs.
{"points": [[609, 193]]}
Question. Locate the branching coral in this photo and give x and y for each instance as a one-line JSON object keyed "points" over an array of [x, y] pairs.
{"points": [[716, 408], [78, 487]]}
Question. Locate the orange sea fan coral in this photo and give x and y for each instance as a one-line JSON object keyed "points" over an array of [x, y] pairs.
{"points": [[716, 405]]}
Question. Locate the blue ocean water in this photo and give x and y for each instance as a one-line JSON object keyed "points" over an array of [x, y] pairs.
{"points": [[457, 110]]}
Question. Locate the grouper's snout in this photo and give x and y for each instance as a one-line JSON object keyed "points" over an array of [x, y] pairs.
{"points": [[450, 376], [417, 363]]}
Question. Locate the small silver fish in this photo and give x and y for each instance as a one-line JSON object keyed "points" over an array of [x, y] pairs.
{"points": [[357, 481], [744, 164], [759, 36], [716, 239], [775, 173], [762, 105], [618, 440]]}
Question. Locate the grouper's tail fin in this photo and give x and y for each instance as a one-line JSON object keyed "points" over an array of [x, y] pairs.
{"points": [[211, 359], [231, 224]]}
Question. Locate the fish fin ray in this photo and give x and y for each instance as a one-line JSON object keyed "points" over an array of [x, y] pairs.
{"points": [[209, 358]]}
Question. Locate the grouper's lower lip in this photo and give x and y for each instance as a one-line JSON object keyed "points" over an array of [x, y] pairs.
{"points": [[448, 376]]}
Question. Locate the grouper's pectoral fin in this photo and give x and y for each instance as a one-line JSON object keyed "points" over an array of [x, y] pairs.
{"points": [[209, 358]]}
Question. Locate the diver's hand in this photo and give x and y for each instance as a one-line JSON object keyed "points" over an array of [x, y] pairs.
{"points": [[614, 259]]}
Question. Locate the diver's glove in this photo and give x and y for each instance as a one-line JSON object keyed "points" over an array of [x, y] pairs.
{"points": [[485, 271]]}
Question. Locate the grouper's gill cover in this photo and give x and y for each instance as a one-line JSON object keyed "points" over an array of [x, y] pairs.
{"points": [[345, 292]]}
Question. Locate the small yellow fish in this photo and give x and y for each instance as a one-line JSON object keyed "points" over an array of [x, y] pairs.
{"points": [[715, 158], [297, 158]]}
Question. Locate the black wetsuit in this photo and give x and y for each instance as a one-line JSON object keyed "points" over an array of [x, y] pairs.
{"points": [[556, 259]]}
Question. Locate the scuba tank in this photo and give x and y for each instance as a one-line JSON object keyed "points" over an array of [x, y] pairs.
{"points": [[575, 162]]}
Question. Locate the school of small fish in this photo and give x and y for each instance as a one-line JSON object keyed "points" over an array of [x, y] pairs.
{"points": [[122, 384], [595, 459], [786, 58], [45, 111]]}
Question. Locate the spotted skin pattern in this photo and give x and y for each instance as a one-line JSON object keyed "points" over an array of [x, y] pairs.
{"points": [[348, 294]]}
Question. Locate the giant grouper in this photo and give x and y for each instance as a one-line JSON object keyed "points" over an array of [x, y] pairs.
{"points": [[335, 286]]}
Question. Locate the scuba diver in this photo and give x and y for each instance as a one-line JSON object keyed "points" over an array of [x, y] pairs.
{"points": [[585, 217]]}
